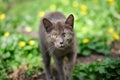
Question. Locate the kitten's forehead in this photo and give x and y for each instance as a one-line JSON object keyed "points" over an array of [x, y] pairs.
{"points": [[60, 27]]}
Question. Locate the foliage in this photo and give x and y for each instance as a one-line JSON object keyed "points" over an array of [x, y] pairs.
{"points": [[3, 74], [106, 70], [14, 54]]}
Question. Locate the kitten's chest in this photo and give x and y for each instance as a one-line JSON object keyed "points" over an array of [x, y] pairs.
{"points": [[60, 53]]}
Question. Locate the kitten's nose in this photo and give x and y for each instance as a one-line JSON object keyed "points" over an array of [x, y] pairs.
{"points": [[61, 42]]}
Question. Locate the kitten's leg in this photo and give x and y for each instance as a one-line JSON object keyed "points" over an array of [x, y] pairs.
{"points": [[46, 60], [59, 66], [69, 66]]}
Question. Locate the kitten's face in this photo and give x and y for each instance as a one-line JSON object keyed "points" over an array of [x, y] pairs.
{"points": [[60, 34]]}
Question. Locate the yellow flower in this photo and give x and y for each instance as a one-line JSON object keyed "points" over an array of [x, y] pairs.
{"points": [[75, 4], [6, 34], [111, 2], [84, 28], [83, 9], [111, 31], [2, 16], [28, 29], [22, 44], [41, 14], [86, 40], [31, 42], [53, 7], [116, 36]]}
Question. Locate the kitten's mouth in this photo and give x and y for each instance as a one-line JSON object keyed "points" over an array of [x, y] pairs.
{"points": [[61, 47]]}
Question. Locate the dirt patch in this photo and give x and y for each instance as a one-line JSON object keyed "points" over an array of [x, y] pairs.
{"points": [[89, 59]]}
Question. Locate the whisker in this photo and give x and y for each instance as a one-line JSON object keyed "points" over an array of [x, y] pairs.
{"points": [[52, 48]]}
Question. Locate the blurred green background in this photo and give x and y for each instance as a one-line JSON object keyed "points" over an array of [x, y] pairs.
{"points": [[96, 25]]}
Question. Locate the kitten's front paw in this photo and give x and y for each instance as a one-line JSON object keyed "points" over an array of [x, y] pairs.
{"points": [[68, 72]]}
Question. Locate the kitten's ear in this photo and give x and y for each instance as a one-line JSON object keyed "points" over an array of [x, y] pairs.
{"points": [[70, 20], [47, 24]]}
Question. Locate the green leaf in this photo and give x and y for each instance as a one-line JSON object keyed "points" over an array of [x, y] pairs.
{"points": [[86, 52]]}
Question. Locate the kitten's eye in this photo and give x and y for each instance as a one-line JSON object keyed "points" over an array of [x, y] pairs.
{"points": [[54, 36], [66, 35]]}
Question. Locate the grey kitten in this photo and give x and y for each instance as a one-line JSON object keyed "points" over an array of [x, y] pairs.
{"points": [[57, 40]]}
